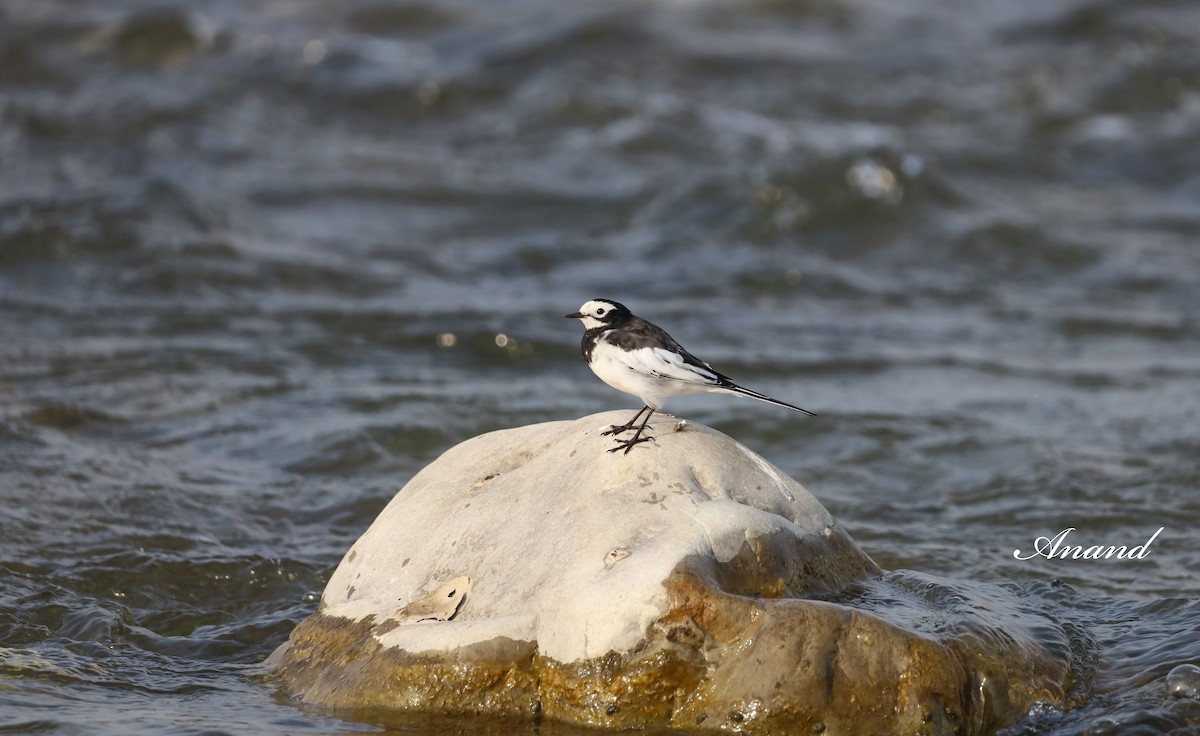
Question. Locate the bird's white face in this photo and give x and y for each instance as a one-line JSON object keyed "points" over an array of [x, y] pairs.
{"points": [[592, 313]]}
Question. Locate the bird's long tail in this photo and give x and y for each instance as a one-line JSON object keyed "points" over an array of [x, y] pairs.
{"points": [[734, 388]]}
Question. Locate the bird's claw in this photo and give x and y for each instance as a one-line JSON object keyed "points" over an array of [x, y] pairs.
{"points": [[627, 445], [617, 429]]}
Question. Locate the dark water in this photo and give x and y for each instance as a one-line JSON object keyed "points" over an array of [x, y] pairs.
{"points": [[261, 262]]}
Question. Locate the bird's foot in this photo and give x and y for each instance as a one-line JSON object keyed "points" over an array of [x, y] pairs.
{"points": [[627, 445], [622, 428]]}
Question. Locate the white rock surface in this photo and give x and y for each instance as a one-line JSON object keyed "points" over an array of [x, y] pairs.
{"points": [[538, 519]]}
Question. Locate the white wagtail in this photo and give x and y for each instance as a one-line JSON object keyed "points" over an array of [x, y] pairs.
{"points": [[639, 358]]}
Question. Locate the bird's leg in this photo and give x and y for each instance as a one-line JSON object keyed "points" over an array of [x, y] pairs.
{"points": [[627, 445], [619, 428]]}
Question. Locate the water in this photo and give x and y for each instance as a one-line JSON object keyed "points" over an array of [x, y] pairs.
{"points": [[259, 263]]}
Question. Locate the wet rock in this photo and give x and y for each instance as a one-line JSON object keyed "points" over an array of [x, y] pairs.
{"points": [[675, 586]]}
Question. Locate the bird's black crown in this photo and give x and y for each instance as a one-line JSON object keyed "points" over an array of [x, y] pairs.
{"points": [[603, 311], [615, 314]]}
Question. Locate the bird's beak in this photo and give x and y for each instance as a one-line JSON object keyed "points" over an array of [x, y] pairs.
{"points": [[574, 315]]}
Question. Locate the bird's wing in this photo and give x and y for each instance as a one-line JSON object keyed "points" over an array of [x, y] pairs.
{"points": [[663, 363], [648, 349], [686, 367]]}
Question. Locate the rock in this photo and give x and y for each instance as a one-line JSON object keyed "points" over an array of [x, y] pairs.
{"points": [[674, 586]]}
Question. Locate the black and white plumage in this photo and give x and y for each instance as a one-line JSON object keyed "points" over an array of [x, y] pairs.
{"points": [[640, 358]]}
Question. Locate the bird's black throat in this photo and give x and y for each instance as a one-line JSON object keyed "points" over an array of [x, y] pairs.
{"points": [[590, 338]]}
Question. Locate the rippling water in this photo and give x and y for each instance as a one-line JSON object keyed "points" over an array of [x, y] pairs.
{"points": [[260, 262]]}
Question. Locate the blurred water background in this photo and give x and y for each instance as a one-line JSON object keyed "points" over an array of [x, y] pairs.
{"points": [[260, 262]]}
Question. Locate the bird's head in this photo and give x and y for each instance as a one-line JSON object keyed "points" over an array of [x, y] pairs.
{"points": [[601, 313]]}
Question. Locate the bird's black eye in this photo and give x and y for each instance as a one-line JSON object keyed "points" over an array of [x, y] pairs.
{"points": [[600, 312]]}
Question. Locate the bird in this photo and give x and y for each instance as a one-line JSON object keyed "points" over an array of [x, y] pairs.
{"points": [[640, 358]]}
